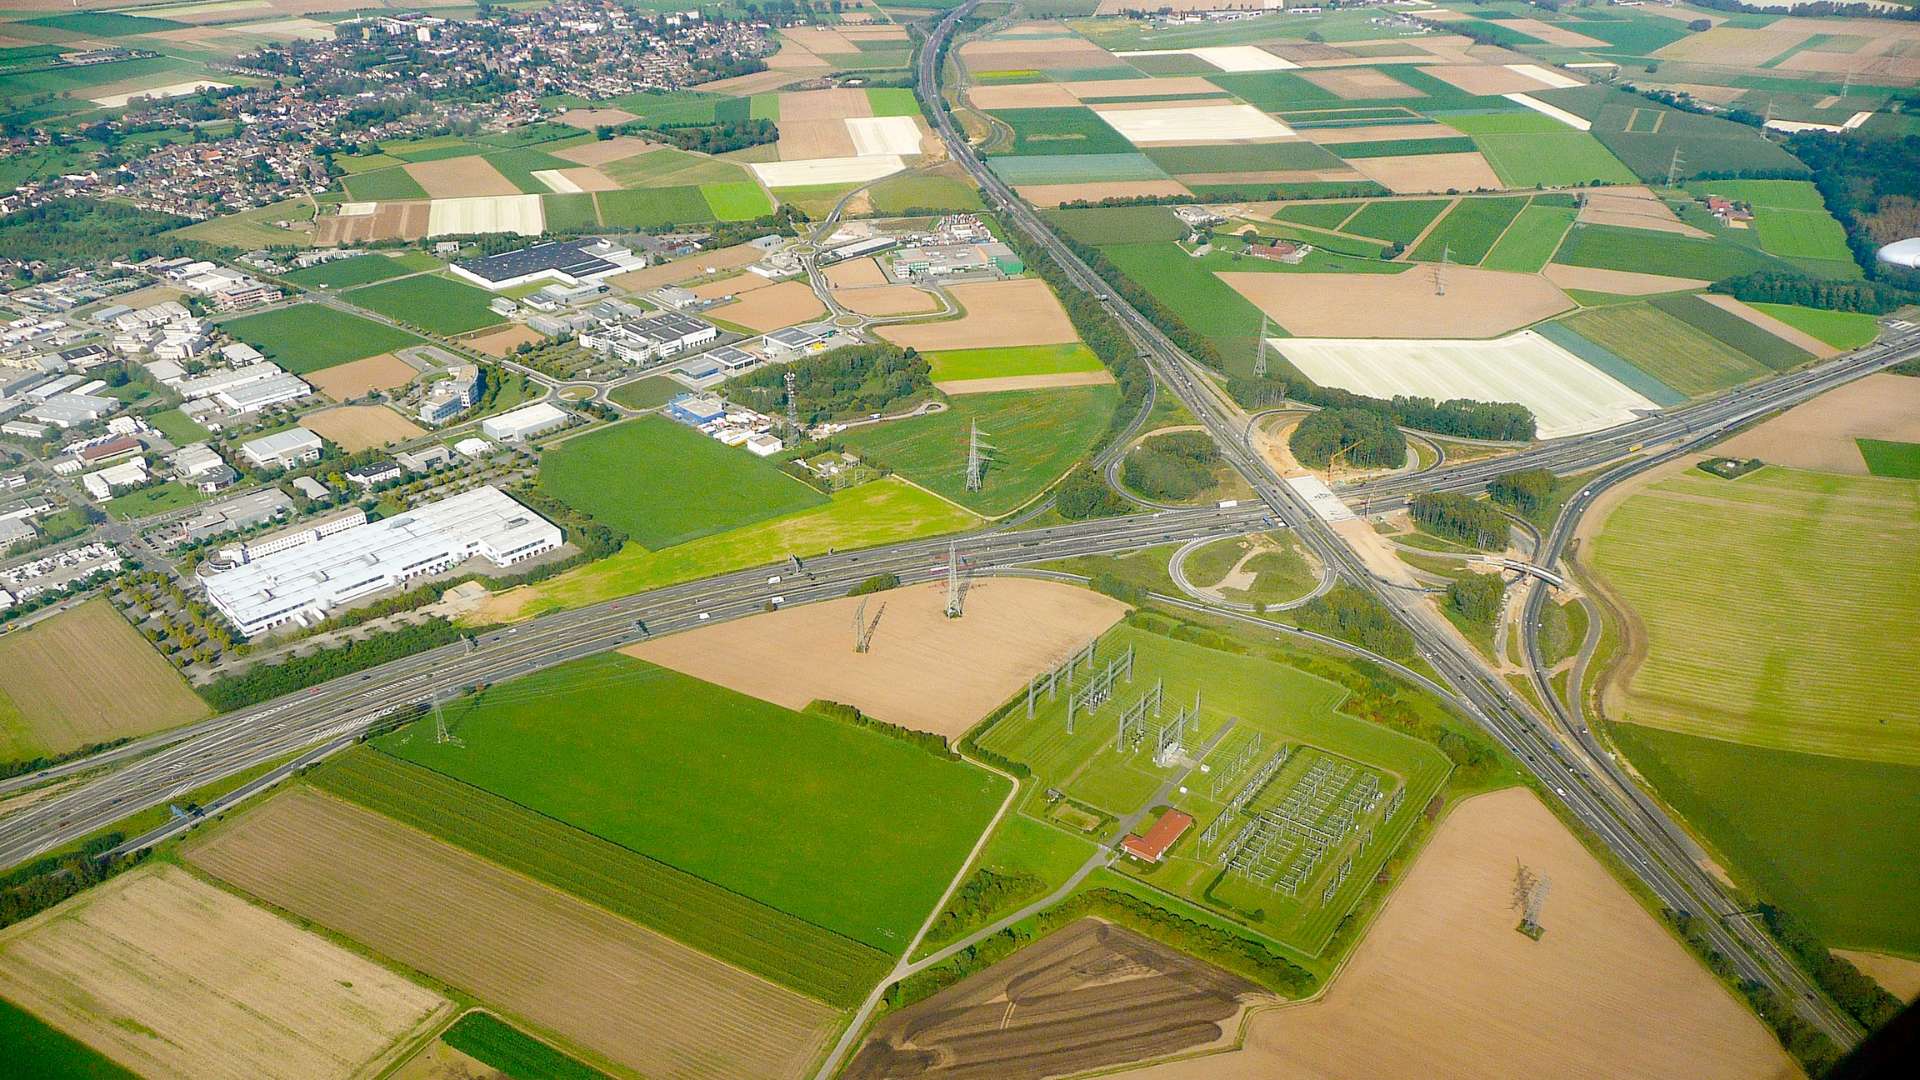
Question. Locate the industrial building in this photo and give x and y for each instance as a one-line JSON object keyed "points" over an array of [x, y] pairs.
{"points": [[232, 515], [524, 423], [1152, 847], [127, 474], [651, 338], [303, 583], [295, 446], [277, 390], [451, 396], [569, 262]]}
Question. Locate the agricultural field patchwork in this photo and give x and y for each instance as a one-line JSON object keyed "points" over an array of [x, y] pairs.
{"points": [[438, 305], [308, 337]]}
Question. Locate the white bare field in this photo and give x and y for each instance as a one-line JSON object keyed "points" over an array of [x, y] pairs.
{"points": [[847, 170], [1568, 396], [486, 214], [1545, 109], [556, 181], [1193, 124], [1227, 57], [171, 90], [1546, 75], [877, 135]]}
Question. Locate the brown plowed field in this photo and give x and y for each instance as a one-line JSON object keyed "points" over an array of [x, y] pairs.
{"points": [[1618, 282], [686, 269], [588, 119], [360, 427], [1091, 996], [790, 657], [460, 177], [171, 976], [85, 676], [604, 150], [808, 140], [1360, 84], [389, 221], [350, 380], [505, 340], [773, 307], [801, 105], [1634, 208], [1025, 382], [1819, 434], [640, 999], [1418, 174], [737, 285], [1020, 311], [854, 273], [1444, 986], [1113, 88], [1022, 96], [883, 300], [1478, 304], [1482, 78], [1378, 133]]}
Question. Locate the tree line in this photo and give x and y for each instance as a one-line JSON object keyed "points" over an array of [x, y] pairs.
{"points": [[1460, 518], [1781, 287], [263, 682], [849, 381], [1176, 466], [1360, 436], [1525, 491], [710, 138], [1477, 597], [1351, 615]]}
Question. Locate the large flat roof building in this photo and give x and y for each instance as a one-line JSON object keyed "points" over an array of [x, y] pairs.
{"points": [[570, 262], [281, 449], [523, 423], [304, 583]]}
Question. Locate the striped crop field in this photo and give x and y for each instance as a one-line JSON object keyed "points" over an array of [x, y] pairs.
{"points": [[739, 930], [1778, 610]]}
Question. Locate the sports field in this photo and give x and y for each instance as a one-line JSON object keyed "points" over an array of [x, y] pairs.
{"points": [[1776, 610], [663, 483], [171, 976], [81, 677], [1288, 709], [630, 995], [308, 337], [435, 304], [846, 828], [743, 932], [1036, 435], [884, 511]]}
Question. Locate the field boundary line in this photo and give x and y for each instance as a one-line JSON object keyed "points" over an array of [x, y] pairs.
{"points": [[1406, 253]]}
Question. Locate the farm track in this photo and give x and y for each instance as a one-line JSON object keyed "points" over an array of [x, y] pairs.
{"points": [[632, 996]]}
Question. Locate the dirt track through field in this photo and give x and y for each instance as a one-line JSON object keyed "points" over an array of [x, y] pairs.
{"points": [[174, 977], [1012, 630], [1819, 434], [1478, 303], [351, 380], [1445, 986], [1020, 311], [641, 999], [1092, 995]]}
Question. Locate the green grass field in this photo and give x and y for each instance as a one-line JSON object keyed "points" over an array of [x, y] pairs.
{"points": [[157, 499], [739, 200], [959, 364], [518, 166], [1551, 159], [1246, 157], [1404, 147], [1624, 124], [885, 511], [1774, 194], [1118, 224], [1778, 609], [1061, 168], [654, 207], [1512, 123], [438, 305], [897, 195], [647, 393], [892, 101], [1675, 354], [1826, 838], [382, 185], [1469, 230], [1841, 329], [663, 483], [1319, 215], [1189, 287], [1802, 234], [345, 273], [1611, 247], [496, 1044], [843, 827], [177, 427], [1074, 130], [739, 930], [39, 1049], [308, 337], [1897, 459], [1283, 704], [1531, 240], [1037, 436], [1733, 331], [569, 210], [1397, 220]]}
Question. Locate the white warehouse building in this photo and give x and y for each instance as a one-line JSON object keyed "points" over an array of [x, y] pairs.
{"points": [[524, 423], [304, 583]]}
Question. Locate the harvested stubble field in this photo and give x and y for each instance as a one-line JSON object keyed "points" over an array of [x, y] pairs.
{"points": [[1820, 434], [686, 269], [1089, 996], [358, 377], [1443, 984], [1020, 311], [1774, 611], [741, 931], [503, 341], [459, 177], [885, 300], [171, 976], [773, 307], [1478, 303], [843, 827], [1423, 173], [626, 993], [1013, 629], [48, 707], [360, 427]]}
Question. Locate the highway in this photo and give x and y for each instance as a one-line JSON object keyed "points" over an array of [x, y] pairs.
{"points": [[1637, 832], [162, 769]]}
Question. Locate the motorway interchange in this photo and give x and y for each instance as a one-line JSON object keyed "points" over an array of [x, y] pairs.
{"points": [[1558, 749]]}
